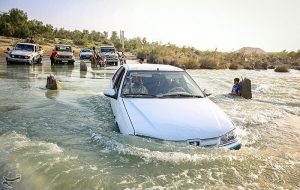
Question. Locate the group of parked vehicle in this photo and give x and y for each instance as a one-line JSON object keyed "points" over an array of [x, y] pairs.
{"points": [[31, 53]]}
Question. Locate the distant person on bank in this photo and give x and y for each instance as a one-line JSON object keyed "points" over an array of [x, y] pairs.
{"points": [[7, 53], [123, 57], [31, 40], [141, 60], [236, 89]]}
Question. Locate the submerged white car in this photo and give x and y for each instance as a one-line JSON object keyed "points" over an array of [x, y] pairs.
{"points": [[164, 102]]}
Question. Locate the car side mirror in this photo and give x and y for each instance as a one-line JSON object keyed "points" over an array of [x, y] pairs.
{"points": [[111, 93], [206, 92]]}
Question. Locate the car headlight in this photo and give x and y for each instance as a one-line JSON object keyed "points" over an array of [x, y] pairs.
{"points": [[229, 137], [13, 56], [27, 57]]}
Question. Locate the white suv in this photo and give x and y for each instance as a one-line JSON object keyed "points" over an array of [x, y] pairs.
{"points": [[110, 53], [25, 53]]}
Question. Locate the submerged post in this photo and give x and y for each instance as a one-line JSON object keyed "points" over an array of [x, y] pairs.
{"points": [[246, 88], [52, 83], [83, 66]]}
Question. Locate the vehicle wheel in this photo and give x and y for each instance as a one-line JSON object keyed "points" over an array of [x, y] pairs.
{"points": [[39, 61], [71, 62]]}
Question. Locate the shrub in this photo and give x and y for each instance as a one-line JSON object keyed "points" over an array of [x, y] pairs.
{"points": [[282, 68], [79, 42], [208, 63], [271, 67], [191, 63], [141, 55], [248, 66], [233, 66], [259, 64], [223, 65]]}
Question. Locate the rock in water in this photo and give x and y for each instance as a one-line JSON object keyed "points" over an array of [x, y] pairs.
{"points": [[52, 83], [246, 88], [83, 66]]}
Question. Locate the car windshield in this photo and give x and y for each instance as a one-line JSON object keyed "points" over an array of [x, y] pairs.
{"points": [[160, 84], [86, 50], [24, 47], [63, 48], [105, 50]]}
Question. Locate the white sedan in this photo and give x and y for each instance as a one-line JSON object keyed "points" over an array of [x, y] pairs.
{"points": [[85, 54], [164, 102]]}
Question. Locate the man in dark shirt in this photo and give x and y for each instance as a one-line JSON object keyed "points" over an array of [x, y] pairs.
{"points": [[31, 40], [236, 89]]}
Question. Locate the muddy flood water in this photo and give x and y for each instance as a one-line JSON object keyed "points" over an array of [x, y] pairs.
{"points": [[67, 139]]}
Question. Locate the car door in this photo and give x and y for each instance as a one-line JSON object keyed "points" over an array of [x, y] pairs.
{"points": [[116, 83], [121, 117]]}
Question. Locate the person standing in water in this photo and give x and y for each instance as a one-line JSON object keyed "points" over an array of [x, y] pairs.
{"points": [[236, 89], [7, 54], [53, 56]]}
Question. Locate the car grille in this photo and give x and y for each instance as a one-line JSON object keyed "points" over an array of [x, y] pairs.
{"points": [[204, 142], [19, 56], [64, 56]]}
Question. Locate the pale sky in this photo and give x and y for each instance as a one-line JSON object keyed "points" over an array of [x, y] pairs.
{"points": [[273, 25]]}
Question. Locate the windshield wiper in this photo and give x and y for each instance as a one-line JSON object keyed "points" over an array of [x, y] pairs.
{"points": [[177, 95], [139, 95]]}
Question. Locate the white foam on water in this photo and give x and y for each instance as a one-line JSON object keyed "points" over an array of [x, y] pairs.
{"points": [[112, 145], [14, 141]]}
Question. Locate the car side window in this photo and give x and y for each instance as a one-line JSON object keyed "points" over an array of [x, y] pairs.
{"points": [[116, 74], [119, 80]]}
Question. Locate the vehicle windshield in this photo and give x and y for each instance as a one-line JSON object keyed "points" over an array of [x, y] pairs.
{"points": [[160, 84], [86, 50], [24, 47], [106, 50], [63, 48]]}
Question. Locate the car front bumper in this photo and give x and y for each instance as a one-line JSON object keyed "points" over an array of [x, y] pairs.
{"points": [[65, 59], [112, 59], [233, 146], [19, 60], [85, 56]]}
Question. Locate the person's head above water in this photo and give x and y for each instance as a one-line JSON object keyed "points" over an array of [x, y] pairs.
{"points": [[236, 81]]}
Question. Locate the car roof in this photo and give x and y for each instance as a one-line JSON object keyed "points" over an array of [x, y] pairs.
{"points": [[27, 44], [150, 67]]}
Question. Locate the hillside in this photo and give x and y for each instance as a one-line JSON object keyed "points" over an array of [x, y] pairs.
{"points": [[251, 50]]}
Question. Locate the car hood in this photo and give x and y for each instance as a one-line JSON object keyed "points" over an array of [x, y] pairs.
{"points": [[177, 119], [110, 54], [86, 53], [21, 52], [65, 53]]}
